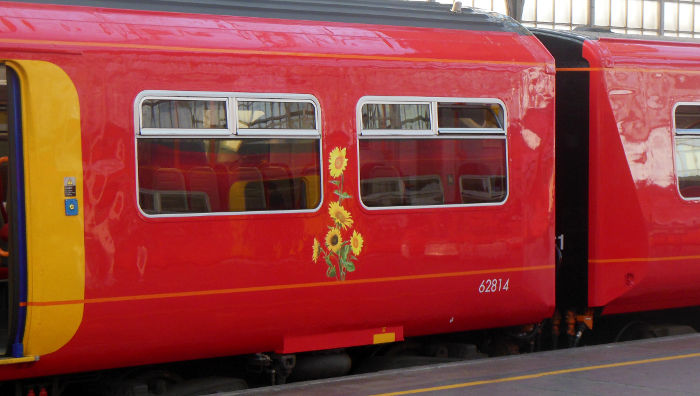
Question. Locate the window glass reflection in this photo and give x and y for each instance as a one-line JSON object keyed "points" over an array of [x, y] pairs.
{"points": [[687, 117], [470, 115], [276, 115], [183, 114], [424, 172], [396, 116], [228, 175], [688, 165]]}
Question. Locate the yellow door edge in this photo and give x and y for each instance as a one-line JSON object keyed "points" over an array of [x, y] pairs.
{"points": [[52, 149]]}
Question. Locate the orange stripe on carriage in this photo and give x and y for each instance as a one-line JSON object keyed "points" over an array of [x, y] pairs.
{"points": [[265, 52], [642, 259], [286, 287]]}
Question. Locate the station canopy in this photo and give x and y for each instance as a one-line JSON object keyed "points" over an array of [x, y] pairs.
{"points": [[674, 18]]}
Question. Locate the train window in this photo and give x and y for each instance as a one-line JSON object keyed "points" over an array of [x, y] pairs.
{"points": [[460, 117], [168, 115], [687, 140], [275, 115], [687, 119], [198, 172], [393, 118], [461, 160], [688, 166]]}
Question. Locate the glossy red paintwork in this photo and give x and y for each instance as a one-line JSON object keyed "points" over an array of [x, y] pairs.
{"points": [[644, 239], [128, 254]]}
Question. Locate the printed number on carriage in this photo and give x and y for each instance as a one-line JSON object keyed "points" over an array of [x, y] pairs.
{"points": [[494, 285]]}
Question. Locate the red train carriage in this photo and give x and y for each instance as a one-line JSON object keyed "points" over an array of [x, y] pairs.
{"points": [[627, 174], [189, 185]]}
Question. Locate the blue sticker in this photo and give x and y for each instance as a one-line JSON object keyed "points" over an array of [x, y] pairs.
{"points": [[71, 207]]}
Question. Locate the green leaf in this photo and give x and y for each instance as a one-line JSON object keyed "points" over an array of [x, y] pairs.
{"points": [[350, 267], [331, 272], [342, 194], [336, 182], [344, 252], [328, 261]]}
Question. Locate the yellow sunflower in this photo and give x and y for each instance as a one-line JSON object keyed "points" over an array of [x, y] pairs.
{"points": [[317, 247], [356, 243], [337, 162], [334, 240], [340, 215]]}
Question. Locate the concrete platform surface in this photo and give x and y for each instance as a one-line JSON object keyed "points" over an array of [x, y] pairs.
{"points": [[660, 366]]}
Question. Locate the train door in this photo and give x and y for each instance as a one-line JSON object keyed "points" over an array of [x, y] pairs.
{"points": [[41, 306], [12, 247]]}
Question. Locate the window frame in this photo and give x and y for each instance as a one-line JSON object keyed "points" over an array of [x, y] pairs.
{"points": [[272, 132], [231, 133], [486, 131], [161, 132], [688, 133], [397, 132], [435, 133]]}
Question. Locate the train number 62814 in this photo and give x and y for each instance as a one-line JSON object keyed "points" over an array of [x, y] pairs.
{"points": [[494, 285]]}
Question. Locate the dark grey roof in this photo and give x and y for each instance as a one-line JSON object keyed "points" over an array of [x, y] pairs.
{"points": [[380, 12]]}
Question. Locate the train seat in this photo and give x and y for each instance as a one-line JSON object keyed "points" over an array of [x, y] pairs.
{"points": [[146, 195], [247, 191], [280, 187], [312, 186], [169, 191], [191, 153], [202, 189], [160, 154], [382, 185], [146, 176], [424, 190], [479, 183]]}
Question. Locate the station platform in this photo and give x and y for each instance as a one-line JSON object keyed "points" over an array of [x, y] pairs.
{"points": [[659, 366]]}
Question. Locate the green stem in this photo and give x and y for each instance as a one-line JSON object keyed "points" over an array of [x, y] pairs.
{"points": [[325, 256], [337, 273]]}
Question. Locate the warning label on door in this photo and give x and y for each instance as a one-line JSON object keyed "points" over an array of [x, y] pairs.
{"points": [[69, 186]]}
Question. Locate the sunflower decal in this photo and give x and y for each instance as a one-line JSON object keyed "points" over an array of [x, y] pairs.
{"points": [[339, 253], [337, 162], [334, 241], [317, 248], [356, 243], [341, 216]]}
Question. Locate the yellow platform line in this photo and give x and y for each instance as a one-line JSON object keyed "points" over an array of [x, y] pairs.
{"points": [[540, 375]]}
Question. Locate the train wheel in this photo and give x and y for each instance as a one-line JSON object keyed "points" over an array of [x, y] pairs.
{"points": [[636, 330]]}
